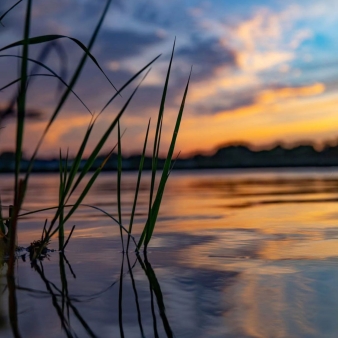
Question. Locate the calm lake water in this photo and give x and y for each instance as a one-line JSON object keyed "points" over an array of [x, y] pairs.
{"points": [[246, 253]]}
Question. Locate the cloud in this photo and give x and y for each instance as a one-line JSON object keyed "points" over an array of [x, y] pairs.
{"points": [[122, 44], [207, 56], [275, 95], [259, 61], [31, 114]]}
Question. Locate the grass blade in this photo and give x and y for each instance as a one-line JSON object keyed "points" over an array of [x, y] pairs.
{"points": [[119, 172], [67, 91], [2, 225], [150, 225], [84, 205], [42, 56], [70, 235], [44, 231], [158, 133], [48, 75], [48, 38], [3, 15], [22, 103], [138, 184]]}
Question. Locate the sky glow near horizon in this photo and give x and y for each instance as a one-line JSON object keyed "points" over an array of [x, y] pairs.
{"points": [[263, 71]]}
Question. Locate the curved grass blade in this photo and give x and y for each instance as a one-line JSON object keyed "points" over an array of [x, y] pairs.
{"points": [[3, 15], [42, 56], [48, 75], [83, 205], [48, 38], [138, 184], [150, 225], [60, 51]]}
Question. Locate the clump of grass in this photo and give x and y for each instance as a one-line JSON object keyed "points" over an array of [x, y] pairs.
{"points": [[71, 175], [38, 249]]}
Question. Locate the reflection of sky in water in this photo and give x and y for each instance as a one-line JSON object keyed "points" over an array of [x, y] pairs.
{"points": [[264, 268]]}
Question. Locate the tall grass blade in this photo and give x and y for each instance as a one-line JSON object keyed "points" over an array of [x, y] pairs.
{"points": [[158, 133], [149, 228], [19, 186], [3, 15], [119, 172], [67, 92], [22, 102], [138, 184]]}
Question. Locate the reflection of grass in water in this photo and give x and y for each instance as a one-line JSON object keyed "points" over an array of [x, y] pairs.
{"points": [[69, 180], [67, 306]]}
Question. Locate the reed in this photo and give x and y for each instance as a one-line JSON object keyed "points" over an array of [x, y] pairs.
{"points": [[70, 174]]}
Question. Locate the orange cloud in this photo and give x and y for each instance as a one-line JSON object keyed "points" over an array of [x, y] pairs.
{"points": [[273, 95], [258, 61]]}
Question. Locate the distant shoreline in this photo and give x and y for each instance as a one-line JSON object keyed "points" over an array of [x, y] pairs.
{"points": [[229, 157]]}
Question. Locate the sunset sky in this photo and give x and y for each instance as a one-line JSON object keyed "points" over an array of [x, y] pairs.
{"points": [[263, 71]]}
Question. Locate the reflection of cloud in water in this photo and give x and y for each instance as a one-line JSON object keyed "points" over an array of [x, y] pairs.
{"points": [[286, 305], [196, 302]]}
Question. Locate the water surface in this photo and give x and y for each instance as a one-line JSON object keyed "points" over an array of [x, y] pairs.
{"points": [[246, 253]]}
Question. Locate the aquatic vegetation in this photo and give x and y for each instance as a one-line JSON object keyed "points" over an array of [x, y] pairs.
{"points": [[71, 175]]}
